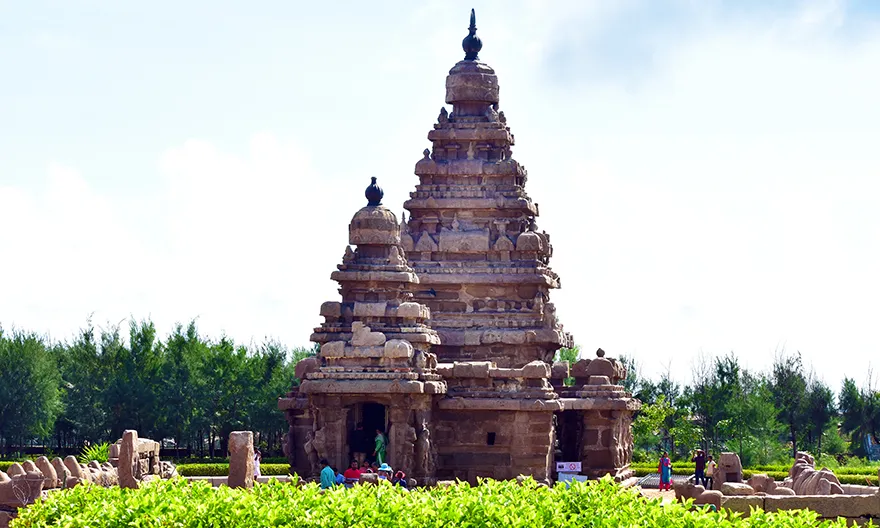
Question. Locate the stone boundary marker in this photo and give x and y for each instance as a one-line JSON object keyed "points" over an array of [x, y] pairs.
{"points": [[241, 459]]}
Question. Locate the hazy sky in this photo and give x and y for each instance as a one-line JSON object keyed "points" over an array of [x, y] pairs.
{"points": [[709, 171]]}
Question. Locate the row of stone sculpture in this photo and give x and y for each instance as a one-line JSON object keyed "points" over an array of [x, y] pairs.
{"points": [[131, 461]]}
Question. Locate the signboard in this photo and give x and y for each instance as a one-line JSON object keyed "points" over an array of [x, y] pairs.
{"points": [[569, 477], [568, 467]]}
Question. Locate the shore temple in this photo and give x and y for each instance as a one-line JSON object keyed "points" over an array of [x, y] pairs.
{"points": [[444, 336]]}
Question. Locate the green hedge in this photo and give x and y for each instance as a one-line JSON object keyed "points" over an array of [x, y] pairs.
{"points": [[494, 503], [4, 466], [864, 480], [222, 470]]}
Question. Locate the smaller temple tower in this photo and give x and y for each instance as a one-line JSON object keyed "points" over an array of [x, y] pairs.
{"points": [[375, 366]]}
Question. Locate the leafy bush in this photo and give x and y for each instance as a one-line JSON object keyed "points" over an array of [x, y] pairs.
{"points": [[97, 452], [222, 470], [4, 466], [493, 503]]}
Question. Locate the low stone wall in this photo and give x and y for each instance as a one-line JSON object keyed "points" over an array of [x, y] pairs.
{"points": [[856, 507]]}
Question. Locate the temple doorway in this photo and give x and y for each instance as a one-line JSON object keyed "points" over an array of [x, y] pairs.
{"points": [[569, 436], [374, 416]]}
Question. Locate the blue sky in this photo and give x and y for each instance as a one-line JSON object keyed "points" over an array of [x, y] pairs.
{"points": [[708, 170]]}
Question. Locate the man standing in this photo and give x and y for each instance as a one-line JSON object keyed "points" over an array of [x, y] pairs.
{"points": [[328, 476], [381, 443], [699, 460]]}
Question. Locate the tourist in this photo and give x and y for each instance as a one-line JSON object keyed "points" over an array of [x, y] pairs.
{"points": [[328, 476], [400, 480], [258, 457], [374, 468], [699, 460], [340, 478], [359, 442], [365, 468], [385, 472], [665, 470], [710, 472], [352, 474], [381, 443]]}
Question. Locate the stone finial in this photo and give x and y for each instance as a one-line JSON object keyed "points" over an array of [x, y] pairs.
{"points": [[600, 353], [472, 43], [374, 193]]}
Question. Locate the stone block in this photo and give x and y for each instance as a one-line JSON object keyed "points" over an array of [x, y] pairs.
{"points": [[560, 370], [736, 488], [513, 337], [241, 459], [782, 490], [828, 506], [365, 351], [536, 369], [365, 309], [762, 482], [331, 309], [308, 365], [398, 348], [128, 458], [579, 369], [363, 336], [409, 310], [472, 337], [471, 369], [369, 478], [491, 337], [742, 503]]}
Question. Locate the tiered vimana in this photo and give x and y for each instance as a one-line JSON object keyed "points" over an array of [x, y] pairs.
{"points": [[472, 237], [467, 279], [375, 353]]}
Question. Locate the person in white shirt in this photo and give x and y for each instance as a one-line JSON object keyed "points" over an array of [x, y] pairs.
{"points": [[710, 471]]}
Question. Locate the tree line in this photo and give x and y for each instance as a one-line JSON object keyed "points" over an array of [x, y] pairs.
{"points": [[189, 389], [766, 417]]}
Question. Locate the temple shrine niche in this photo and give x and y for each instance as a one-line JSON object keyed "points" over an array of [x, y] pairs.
{"points": [[445, 334]]}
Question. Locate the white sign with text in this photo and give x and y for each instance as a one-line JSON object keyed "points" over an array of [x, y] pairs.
{"points": [[568, 467]]}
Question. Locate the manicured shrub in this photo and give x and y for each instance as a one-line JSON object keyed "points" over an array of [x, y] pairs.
{"points": [[222, 470], [196, 504]]}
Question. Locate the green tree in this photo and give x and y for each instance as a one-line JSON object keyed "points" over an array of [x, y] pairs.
{"points": [[29, 390], [820, 410], [788, 388], [650, 427], [84, 373], [860, 413]]}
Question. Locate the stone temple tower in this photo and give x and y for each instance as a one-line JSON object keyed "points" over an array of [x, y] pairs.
{"points": [[472, 236]]}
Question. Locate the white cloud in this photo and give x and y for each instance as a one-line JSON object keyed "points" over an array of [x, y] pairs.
{"points": [[721, 196]]}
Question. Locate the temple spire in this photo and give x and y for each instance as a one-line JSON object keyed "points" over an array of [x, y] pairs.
{"points": [[472, 43]]}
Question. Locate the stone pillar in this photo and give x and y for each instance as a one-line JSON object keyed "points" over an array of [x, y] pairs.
{"points": [[128, 458], [241, 459]]}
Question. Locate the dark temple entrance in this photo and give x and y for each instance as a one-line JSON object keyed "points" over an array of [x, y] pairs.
{"points": [[373, 416], [569, 431]]}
